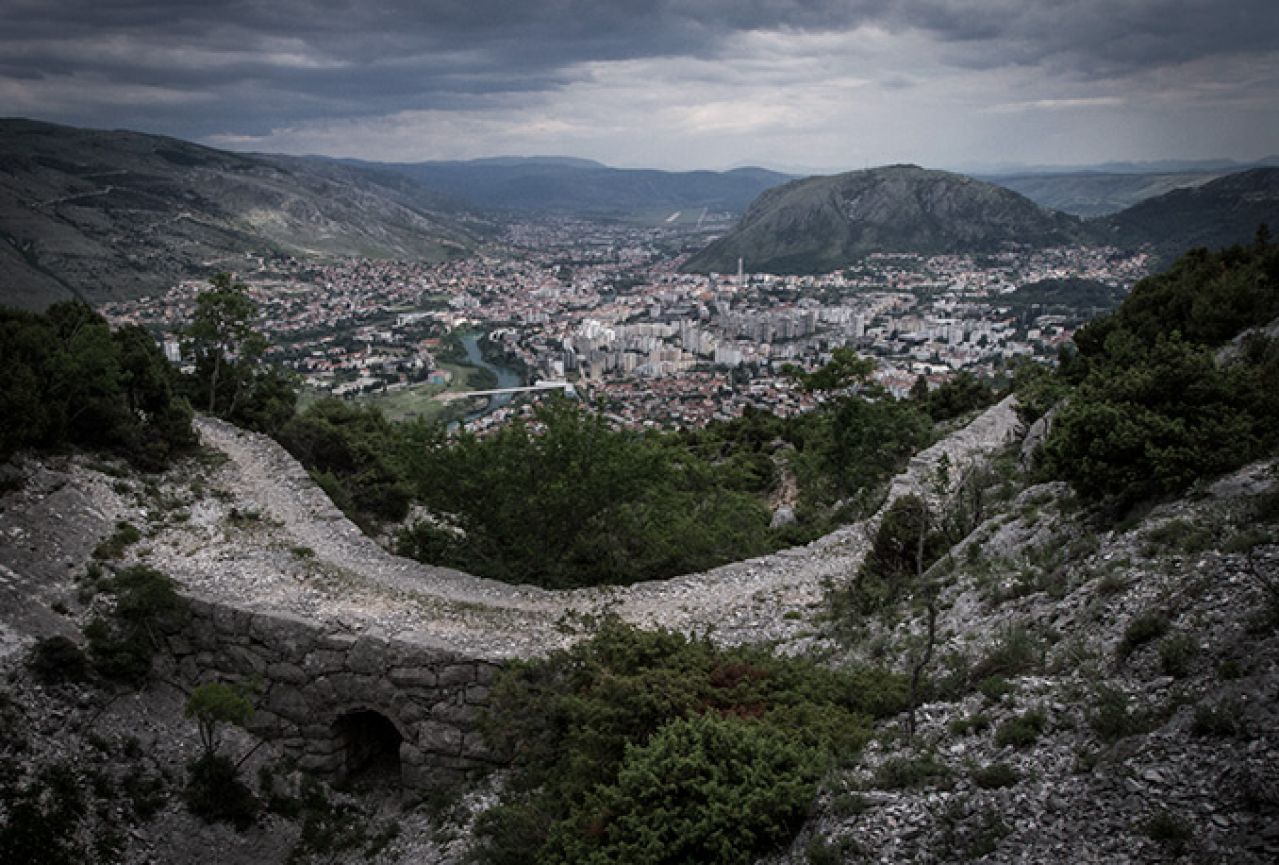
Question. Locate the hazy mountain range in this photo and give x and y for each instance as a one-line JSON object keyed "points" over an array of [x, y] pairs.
{"points": [[583, 187], [102, 215]]}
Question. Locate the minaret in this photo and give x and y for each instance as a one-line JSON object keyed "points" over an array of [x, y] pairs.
{"points": [[740, 280]]}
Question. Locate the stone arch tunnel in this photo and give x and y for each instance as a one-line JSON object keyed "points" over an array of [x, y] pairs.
{"points": [[341, 704]]}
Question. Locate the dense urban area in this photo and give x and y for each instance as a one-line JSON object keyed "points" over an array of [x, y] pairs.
{"points": [[605, 307]]}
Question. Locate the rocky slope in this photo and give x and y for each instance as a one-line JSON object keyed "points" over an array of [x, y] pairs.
{"points": [[823, 223], [1220, 213], [1098, 693], [98, 214]]}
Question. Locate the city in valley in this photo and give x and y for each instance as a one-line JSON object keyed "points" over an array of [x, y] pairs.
{"points": [[604, 307]]}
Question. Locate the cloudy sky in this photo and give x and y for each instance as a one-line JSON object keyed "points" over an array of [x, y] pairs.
{"points": [[794, 84]]}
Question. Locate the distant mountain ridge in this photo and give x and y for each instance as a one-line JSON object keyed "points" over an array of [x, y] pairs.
{"points": [[1098, 193], [820, 224], [1219, 213], [583, 187], [108, 214], [102, 215]]}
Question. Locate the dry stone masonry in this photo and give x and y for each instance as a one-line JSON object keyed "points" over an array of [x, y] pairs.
{"points": [[362, 656], [333, 700]]}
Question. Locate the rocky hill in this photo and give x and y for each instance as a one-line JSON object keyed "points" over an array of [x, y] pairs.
{"points": [[1219, 213], [100, 215], [1096, 694], [823, 223]]}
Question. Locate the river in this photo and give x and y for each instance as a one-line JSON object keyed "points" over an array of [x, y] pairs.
{"points": [[505, 377]]}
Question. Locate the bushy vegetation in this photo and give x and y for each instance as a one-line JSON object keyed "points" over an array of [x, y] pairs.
{"points": [[41, 814], [352, 454], [69, 379], [215, 793], [54, 660], [1021, 730], [567, 501], [957, 395], [905, 544], [646, 746], [1154, 410], [122, 643]]}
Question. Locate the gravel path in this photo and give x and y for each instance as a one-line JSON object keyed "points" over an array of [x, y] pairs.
{"points": [[269, 538]]}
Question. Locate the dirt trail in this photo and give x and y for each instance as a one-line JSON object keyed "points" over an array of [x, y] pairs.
{"points": [[273, 540]]}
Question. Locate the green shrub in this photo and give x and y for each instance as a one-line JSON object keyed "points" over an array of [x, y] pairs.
{"points": [[331, 827], [995, 688], [1221, 721], [43, 816], [1176, 654], [577, 719], [1144, 627], [215, 793], [1111, 717], [995, 776], [1016, 651], [121, 646], [704, 789], [1179, 536], [1022, 730], [1169, 831], [823, 851], [978, 723], [147, 794], [57, 659], [902, 773], [113, 547]]}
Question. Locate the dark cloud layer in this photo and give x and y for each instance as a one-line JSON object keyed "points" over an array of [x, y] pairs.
{"points": [[203, 67]]}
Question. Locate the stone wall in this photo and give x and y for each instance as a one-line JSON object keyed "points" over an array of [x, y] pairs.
{"points": [[308, 679]]}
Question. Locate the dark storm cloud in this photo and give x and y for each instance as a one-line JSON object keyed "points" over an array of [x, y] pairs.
{"points": [[195, 67]]}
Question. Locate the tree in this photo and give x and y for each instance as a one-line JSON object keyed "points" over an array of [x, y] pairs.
{"points": [[231, 379], [221, 340], [1157, 419], [919, 390], [845, 369], [214, 790], [70, 379], [214, 704]]}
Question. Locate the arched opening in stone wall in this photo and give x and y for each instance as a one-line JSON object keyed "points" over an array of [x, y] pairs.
{"points": [[370, 745]]}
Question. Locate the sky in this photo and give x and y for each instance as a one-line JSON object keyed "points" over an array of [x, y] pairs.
{"points": [[798, 85]]}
